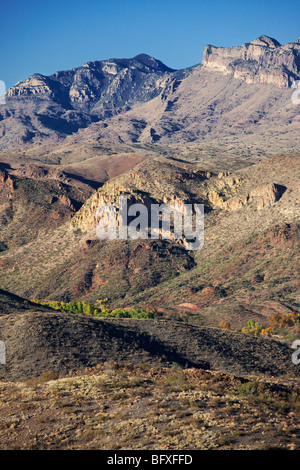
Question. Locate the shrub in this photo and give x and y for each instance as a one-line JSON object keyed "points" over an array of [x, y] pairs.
{"points": [[281, 320], [267, 331], [48, 375], [252, 328], [277, 324], [248, 388], [224, 325], [101, 309]]}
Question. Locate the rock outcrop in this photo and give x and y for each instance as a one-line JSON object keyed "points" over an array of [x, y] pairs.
{"points": [[261, 197], [6, 182], [40, 173], [264, 60]]}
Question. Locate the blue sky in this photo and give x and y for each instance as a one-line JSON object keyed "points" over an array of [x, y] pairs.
{"points": [[43, 36]]}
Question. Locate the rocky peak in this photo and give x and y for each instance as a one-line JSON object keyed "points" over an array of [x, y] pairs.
{"points": [[263, 60], [266, 41], [152, 63], [35, 84]]}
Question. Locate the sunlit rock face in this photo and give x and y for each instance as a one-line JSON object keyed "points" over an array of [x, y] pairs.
{"points": [[263, 60]]}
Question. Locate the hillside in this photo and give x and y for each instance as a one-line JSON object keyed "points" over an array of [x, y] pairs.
{"points": [[37, 341], [73, 382], [148, 407], [13, 303], [35, 203], [247, 267]]}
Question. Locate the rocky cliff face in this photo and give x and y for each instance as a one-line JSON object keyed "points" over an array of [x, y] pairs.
{"points": [[146, 185], [261, 197], [6, 183], [264, 60]]}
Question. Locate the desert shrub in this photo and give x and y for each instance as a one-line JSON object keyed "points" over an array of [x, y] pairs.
{"points": [[176, 380], [248, 388], [48, 375], [280, 320], [252, 328], [224, 325], [183, 316], [267, 331], [103, 306], [280, 323]]}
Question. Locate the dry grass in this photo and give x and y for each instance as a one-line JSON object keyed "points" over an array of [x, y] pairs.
{"points": [[113, 408]]}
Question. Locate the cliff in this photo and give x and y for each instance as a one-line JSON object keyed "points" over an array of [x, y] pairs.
{"points": [[263, 60]]}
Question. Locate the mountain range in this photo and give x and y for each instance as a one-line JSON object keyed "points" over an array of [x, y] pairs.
{"points": [[236, 101]]}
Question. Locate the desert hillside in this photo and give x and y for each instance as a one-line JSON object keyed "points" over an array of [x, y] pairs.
{"points": [[248, 266]]}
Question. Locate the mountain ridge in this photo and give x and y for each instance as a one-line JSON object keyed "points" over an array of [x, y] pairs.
{"points": [[143, 100]]}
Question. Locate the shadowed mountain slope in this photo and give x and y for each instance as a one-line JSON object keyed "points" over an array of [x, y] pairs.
{"points": [[11, 303], [36, 342]]}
